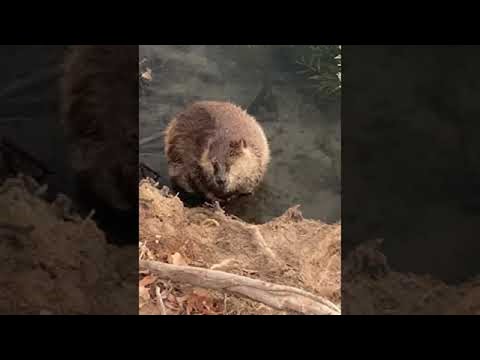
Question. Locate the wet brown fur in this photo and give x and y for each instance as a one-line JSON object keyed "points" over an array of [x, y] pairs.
{"points": [[99, 109], [187, 147]]}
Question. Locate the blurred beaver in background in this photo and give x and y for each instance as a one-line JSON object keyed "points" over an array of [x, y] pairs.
{"points": [[216, 150], [99, 111]]}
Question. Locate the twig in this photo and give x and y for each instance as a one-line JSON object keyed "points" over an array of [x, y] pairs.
{"points": [[225, 304], [160, 301], [257, 235], [280, 297], [210, 221]]}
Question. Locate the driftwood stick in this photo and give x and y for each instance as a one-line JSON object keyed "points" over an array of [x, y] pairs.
{"points": [[276, 296]]}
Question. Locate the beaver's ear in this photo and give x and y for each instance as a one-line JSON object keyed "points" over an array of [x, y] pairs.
{"points": [[243, 144], [238, 145]]}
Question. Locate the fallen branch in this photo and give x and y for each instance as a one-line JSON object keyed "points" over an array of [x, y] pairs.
{"points": [[276, 296]]}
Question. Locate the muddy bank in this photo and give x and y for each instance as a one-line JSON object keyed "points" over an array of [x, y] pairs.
{"points": [[371, 287], [54, 261], [289, 250]]}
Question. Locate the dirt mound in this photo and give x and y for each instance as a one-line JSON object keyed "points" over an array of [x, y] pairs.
{"points": [[288, 250], [54, 262], [371, 287]]}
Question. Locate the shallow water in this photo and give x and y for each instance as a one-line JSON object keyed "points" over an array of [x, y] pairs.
{"points": [[304, 134]]}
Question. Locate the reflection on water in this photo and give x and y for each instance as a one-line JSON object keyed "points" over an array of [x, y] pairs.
{"points": [[303, 131]]}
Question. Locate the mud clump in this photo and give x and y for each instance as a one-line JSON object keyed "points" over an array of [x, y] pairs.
{"points": [[288, 250]]}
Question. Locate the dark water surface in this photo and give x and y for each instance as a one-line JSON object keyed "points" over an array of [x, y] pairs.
{"points": [[411, 156], [29, 103], [304, 135], [30, 119]]}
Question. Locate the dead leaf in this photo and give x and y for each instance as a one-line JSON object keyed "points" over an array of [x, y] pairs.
{"points": [[143, 293], [147, 280], [160, 303], [211, 308], [147, 74], [149, 309], [171, 307]]}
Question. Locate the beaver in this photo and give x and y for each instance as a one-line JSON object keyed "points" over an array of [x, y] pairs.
{"points": [[99, 113], [217, 150]]}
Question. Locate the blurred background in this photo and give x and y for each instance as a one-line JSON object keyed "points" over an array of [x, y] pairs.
{"points": [[29, 98]]}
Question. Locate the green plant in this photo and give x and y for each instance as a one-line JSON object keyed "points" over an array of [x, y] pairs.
{"points": [[322, 64]]}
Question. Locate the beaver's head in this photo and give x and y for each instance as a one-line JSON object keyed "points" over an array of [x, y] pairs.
{"points": [[226, 163]]}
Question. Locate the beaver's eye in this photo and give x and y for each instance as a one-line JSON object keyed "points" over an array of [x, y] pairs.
{"points": [[215, 167]]}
